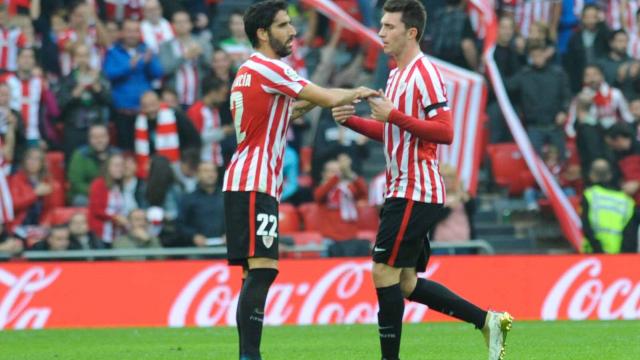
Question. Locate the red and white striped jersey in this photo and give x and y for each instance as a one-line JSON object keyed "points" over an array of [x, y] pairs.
{"points": [[66, 60], [620, 16], [633, 49], [412, 165], [527, 12], [26, 96], [262, 98], [208, 123], [11, 40], [187, 76], [154, 35], [118, 10]]}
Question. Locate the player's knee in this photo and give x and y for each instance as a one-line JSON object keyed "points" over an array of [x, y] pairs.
{"points": [[407, 285], [385, 275], [263, 263]]}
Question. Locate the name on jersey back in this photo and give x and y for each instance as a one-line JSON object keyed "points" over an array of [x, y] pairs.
{"points": [[243, 80]]}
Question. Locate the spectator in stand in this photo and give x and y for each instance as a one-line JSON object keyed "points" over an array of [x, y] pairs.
{"points": [[184, 60], [131, 67], [634, 108], [453, 39], [107, 217], [35, 194], [509, 59], [162, 196], [585, 46], [57, 240], [84, 97], [237, 45], [597, 107], [84, 28], [377, 189], [35, 102], [625, 157], [161, 130], [169, 97], [616, 59], [213, 120], [338, 196], [607, 229], [81, 236], [332, 140], [155, 29], [202, 211], [11, 129], [132, 187], [290, 171], [12, 40], [563, 173], [187, 170], [540, 35], [221, 66], [118, 10], [9, 245], [138, 234], [543, 96], [454, 223], [86, 162]]}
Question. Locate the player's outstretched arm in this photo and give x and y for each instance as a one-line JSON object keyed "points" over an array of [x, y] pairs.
{"points": [[329, 98], [437, 129], [345, 115], [300, 108]]}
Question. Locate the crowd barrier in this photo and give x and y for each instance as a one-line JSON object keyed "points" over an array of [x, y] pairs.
{"points": [[323, 291]]}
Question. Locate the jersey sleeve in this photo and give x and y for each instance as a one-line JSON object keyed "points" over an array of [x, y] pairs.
{"points": [[280, 78], [432, 93]]}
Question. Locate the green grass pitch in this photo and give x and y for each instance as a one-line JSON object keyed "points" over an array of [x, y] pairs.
{"points": [[604, 340]]}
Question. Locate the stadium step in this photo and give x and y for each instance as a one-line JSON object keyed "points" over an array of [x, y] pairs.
{"points": [[505, 244]]}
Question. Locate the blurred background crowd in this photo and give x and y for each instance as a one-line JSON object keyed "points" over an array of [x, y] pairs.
{"points": [[115, 125]]}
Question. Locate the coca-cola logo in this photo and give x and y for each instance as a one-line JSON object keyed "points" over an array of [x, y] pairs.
{"points": [[585, 294], [14, 305], [339, 296]]}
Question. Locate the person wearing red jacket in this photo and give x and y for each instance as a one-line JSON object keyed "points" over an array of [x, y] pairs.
{"points": [[35, 194], [337, 197], [107, 210]]}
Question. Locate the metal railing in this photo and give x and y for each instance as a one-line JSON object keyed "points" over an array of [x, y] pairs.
{"points": [[480, 245]]}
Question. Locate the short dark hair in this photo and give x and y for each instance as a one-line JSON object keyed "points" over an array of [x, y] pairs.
{"points": [[413, 14], [212, 83], [594, 66], [260, 16], [619, 130], [615, 33], [590, 7]]}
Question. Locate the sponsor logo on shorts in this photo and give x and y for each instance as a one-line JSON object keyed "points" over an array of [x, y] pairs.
{"points": [[377, 249]]}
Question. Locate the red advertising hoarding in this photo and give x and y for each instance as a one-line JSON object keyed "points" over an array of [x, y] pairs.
{"points": [[327, 291]]}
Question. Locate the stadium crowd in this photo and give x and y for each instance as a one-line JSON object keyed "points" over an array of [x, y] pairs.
{"points": [[116, 126]]}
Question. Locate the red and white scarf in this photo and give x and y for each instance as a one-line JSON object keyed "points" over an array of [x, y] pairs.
{"points": [[26, 96], [166, 140], [187, 76], [10, 41], [154, 35], [115, 206], [616, 11], [6, 201], [211, 150], [341, 197]]}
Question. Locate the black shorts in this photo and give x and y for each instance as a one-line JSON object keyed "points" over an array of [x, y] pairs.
{"points": [[251, 220], [402, 240]]}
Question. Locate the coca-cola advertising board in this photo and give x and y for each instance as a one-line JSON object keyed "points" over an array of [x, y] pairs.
{"points": [[327, 291]]}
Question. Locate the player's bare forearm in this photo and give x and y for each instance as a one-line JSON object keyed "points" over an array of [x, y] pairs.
{"points": [[300, 108], [329, 98]]}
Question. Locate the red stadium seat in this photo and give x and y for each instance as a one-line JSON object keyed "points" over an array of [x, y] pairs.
{"points": [[368, 218], [367, 235], [62, 215], [305, 238], [305, 159], [309, 214], [288, 219], [55, 164], [509, 168]]}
